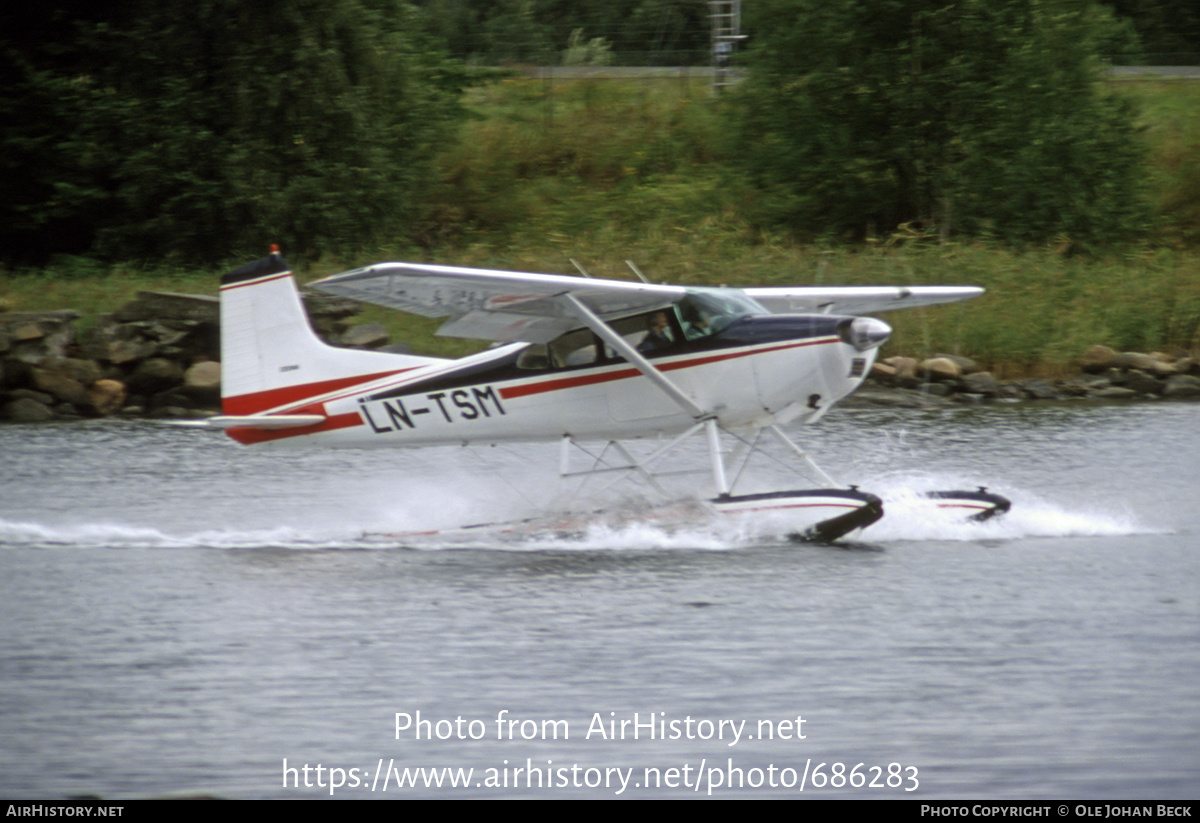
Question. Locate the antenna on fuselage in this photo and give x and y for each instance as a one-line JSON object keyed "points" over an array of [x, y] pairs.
{"points": [[637, 271]]}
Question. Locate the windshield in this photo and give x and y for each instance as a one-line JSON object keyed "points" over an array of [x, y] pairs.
{"points": [[708, 311]]}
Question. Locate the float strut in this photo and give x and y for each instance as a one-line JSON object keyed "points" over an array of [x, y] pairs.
{"points": [[714, 453]]}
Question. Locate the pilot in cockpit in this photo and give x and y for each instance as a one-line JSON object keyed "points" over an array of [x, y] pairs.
{"points": [[695, 321], [659, 334]]}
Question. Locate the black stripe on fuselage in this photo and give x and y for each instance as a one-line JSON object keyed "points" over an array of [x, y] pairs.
{"points": [[272, 264], [746, 331]]}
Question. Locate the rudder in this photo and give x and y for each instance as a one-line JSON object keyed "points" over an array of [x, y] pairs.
{"points": [[270, 356]]}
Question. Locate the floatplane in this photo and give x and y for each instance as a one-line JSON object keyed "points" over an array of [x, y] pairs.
{"points": [[577, 360]]}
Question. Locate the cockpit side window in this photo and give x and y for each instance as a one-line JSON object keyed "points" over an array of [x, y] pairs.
{"points": [[649, 333]]}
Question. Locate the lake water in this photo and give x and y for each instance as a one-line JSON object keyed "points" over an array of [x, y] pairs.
{"points": [[184, 616]]}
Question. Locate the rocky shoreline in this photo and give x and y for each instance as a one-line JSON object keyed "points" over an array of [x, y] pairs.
{"points": [[158, 356], [1104, 374]]}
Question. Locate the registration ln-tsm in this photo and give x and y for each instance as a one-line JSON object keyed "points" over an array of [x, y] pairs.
{"points": [[578, 360]]}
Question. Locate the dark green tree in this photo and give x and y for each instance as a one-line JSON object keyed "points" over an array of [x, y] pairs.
{"points": [[639, 32], [1169, 30], [977, 116], [208, 128], [52, 185]]}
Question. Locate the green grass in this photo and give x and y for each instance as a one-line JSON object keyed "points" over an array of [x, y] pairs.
{"points": [[93, 291], [1171, 118], [1040, 312], [556, 161]]}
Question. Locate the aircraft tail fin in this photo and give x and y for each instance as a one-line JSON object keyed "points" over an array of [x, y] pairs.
{"points": [[271, 357]]}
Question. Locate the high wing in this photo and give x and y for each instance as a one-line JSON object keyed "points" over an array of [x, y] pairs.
{"points": [[857, 299], [508, 306], [488, 304]]}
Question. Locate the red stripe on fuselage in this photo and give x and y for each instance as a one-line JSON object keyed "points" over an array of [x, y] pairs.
{"points": [[256, 402], [248, 436]]}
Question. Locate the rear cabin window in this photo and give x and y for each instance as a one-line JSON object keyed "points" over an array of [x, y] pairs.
{"points": [[575, 348]]}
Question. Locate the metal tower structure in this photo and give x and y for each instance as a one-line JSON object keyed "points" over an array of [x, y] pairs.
{"points": [[726, 19]]}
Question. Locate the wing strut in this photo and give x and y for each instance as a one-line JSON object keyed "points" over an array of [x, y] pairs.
{"points": [[605, 333], [702, 416]]}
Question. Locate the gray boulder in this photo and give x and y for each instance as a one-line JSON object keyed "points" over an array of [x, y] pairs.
{"points": [[26, 410], [1182, 387], [1098, 359]]}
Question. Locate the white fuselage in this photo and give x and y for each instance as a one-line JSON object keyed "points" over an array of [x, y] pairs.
{"points": [[710, 355], [746, 385]]}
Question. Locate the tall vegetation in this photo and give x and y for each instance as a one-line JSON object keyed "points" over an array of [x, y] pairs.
{"points": [[983, 117], [135, 129]]}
